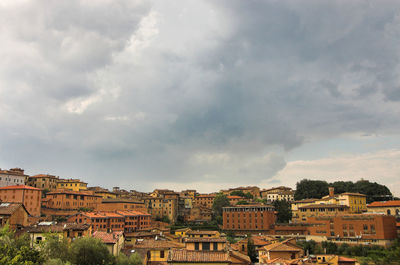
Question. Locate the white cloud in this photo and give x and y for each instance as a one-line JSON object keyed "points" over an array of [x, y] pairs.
{"points": [[380, 166]]}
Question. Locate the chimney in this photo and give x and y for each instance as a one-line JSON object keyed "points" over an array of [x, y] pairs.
{"points": [[331, 191]]}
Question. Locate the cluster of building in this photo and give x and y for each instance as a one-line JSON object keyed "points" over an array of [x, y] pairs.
{"points": [[137, 222]]}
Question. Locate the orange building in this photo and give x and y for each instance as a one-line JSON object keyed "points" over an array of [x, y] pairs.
{"points": [[100, 221], [71, 200], [248, 217], [121, 205], [13, 214], [362, 226], [127, 221], [28, 196]]}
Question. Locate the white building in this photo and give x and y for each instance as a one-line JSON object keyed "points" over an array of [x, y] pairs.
{"points": [[12, 177]]}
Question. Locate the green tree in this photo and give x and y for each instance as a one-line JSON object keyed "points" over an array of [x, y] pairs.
{"points": [[238, 193], [249, 196], [16, 251], [220, 201], [55, 248], [242, 203], [251, 250], [284, 211], [133, 259], [90, 251], [306, 189]]}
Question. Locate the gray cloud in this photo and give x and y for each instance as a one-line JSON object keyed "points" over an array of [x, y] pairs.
{"points": [[136, 93]]}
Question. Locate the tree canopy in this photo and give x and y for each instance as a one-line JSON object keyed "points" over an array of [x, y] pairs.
{"points": [[220, 201], [307, 189], [284, 211]]}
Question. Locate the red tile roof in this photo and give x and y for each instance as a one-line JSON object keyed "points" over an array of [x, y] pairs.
{"points": [[108, 238], [385, 204], [8, 208], [18, 187]]}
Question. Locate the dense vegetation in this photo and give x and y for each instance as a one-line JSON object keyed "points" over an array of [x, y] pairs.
{"points": [[284, 211], [366, 254], [220, 201], [58, 251], [306, 189], [240, 193]]}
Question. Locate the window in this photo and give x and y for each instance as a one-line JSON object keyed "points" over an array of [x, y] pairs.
{"points": [[162, 254], [196, 246], [215, 246], [206, 245]]}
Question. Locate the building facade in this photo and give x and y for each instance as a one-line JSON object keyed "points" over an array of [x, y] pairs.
{"points": [[71, 184], [30, 197], [248, 218], [43, 181], [387, 207], [12, 177]]}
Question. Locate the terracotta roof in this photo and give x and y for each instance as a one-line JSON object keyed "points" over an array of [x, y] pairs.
{"points": [[313, 206], [345, 259], [239, 256], [120, 200], [184, 255], [79, 193], [43, 176], [235, 197], [398, 224], [8, 208], [132, 213], [108, 238], [204, 239], [157, 244], [305, 201], [18, 187], [354, 194], [282, 246], [385, 204], [201, 232]]}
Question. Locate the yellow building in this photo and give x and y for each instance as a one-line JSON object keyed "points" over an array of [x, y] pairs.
{"points": [[343, 203], [200, 233], [182, 232], [71, 184], [156, 250], [333, 260], [357, 202]]}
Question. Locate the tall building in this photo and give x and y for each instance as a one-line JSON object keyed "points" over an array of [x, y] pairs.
{"points": [[248, 218], [29, 196], [11, 177]]}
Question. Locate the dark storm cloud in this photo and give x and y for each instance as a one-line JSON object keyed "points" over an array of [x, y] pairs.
{"points": [[137, 93]]}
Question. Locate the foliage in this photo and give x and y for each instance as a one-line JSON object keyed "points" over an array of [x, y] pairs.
{"points": [[242, 203], [306, 189], [85, 209], [237, 193], [251, 250], [248, 195], [133, 259], [164, 219], [55, 248], [310, 247], [220, 201], [230, 236], [89, 251], [15, 251], [284, 211]]}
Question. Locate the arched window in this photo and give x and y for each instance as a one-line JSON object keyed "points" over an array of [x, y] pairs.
{"points": [[388, 212]]}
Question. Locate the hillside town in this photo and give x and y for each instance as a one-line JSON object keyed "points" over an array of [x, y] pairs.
{"points": [[242, 225]]}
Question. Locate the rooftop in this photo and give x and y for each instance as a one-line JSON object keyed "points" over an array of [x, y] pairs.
{"points": [[8, 208], [205, 239], [385, 204], [19, 187]]}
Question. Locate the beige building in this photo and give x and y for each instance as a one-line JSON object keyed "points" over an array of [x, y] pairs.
{"points": [[43, 181], [386, 207], [114, 241], [278, 193]]}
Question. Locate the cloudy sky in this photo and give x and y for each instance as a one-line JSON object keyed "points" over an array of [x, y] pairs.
{"points": [[201, 94]]}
